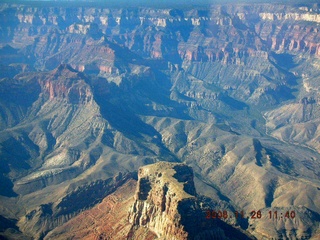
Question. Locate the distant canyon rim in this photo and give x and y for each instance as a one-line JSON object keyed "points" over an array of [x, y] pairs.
{"points": [[132, 122]]}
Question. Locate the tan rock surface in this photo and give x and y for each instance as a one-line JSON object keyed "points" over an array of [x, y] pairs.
{"points": [[161, 205]]}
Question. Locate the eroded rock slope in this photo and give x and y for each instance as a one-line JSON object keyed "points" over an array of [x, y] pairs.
{"points": [[91, 93]]}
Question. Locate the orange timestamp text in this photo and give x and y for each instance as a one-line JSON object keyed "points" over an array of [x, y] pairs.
{"points": [[224, 214]]}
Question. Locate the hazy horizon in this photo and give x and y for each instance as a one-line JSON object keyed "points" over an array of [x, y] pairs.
{"points": [[164, 2]]}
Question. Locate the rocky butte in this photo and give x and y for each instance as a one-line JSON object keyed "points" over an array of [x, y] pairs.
{"points": [[92, 92], [164, 205]]}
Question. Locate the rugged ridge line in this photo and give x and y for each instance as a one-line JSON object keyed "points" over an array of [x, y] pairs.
{"points": [[161, 204], [166, 203]]}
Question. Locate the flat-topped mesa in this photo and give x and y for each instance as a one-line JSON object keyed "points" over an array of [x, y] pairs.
{"points": [[166, 203], [175, 179]]}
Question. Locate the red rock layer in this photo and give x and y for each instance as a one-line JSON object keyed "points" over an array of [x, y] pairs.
{"points": [[107, 220], [66, 83]]}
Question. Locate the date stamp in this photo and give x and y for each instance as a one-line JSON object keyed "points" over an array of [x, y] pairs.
{"points": [[224, 214]]}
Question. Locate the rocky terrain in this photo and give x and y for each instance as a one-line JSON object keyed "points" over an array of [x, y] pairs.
{"points": [[164, 205], [89, 94]]}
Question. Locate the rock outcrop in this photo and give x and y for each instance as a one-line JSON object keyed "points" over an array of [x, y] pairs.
{"points": [[89, 91], [68, 84], [166, 203], [162, 204], [159, 197]]}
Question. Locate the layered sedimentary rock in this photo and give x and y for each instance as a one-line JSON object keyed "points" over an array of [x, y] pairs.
{"points": [[221, 33], [167, 204], [164, 189], [197, 40], [106, 220], [162, 204], [88, 92], [71, 88]]}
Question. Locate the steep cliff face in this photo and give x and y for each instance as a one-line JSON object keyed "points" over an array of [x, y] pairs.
{"points": [[256, 41], [162, 204], [68, 84], [221, 33], [87, 92], [166, 203], [159, 197]]}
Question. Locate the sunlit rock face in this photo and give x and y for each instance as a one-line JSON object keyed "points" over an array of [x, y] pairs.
{"points": [[159, 197], [90, 94], [167, 204], [160, 204]]}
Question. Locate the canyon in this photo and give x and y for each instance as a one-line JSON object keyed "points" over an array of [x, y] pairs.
{"points": [[134, 121], [163, 204]]}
